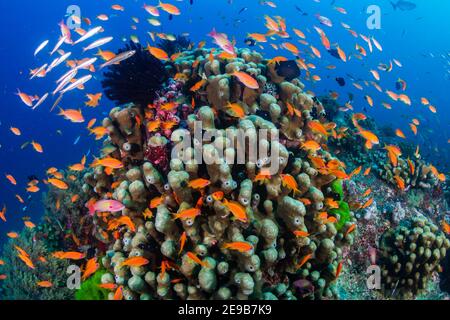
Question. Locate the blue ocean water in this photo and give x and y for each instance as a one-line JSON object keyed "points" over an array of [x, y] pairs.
{"points": [[418, 38]]}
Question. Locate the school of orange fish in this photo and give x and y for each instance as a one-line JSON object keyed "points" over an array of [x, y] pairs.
{"points": [[290, 40]]}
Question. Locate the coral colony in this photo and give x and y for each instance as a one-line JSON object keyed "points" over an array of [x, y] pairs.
{"points": [[168, 212]]}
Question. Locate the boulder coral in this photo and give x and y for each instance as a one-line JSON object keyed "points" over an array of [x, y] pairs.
{"points": [[410, 255]]}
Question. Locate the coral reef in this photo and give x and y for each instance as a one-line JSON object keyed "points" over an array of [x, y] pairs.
{"points": [[221, 229], [414, 173], [21, 281], [410, 255], [136, 79]]}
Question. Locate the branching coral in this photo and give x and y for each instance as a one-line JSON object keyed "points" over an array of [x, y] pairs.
{"points": [[21, 281], [410, 254], [135, 80]]}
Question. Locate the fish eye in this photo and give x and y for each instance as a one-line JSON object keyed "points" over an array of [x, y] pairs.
{"points": [[150, 180], [189, 222], [209, 199], [297, 221], [167, 187], [256, 196], [251, 268], [127, 146], [245, 201]]}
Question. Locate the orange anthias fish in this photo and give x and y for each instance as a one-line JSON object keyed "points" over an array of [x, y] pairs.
{"points": [[368, 203], [446, 227], [169, 8], [237, 210], [91, 267], [304, 260], [37, 147], [236, 110], [188, 214], [246, 79], [317, 127], [26, 259], [71, 255], [339, 269], [2, 213], [290, 182], [158, 53], [93, 100], [108, 163], [183, 240], [400, 182], [197, 260], [350, 229], [238, 246], [198, 85], [135, 262], [11, 179], [45, 284], [118, 295], [301, 233], [199, 183], [58, 184]]}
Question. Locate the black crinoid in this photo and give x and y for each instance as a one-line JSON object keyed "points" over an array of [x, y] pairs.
{"points": [[181, 43], [135, 80]]}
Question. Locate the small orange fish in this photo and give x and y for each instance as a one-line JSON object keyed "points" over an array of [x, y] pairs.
{"points": [[400, 182], [108, 286], [183, 239], [45, 284], [350, 229], [197, 260], [238, 246], [367, 203], [118, 295], [188, 214], [339, 269], [199, 183], [367, 192], [290, 182], [11, 179], [198, 85], [158, 53], [58, 184], [238, 211], [135, 262], [91, 267], [304, 260], [246, 79], [71, 255], [446, 227], [301, 233]]}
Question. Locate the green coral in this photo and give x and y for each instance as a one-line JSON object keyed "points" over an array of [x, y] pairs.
{"points": [[343, 212], [337, 188], [90, 289]]}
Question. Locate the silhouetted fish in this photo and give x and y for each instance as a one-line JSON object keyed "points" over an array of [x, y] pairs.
{"points": [[340, 81], [288, 69]]}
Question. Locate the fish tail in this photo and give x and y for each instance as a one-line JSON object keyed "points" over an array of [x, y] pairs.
{"points": [[394, 5]]}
